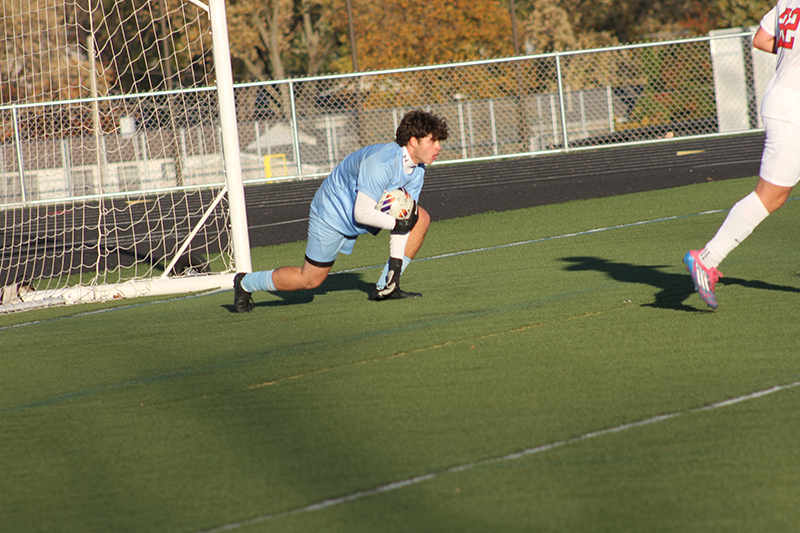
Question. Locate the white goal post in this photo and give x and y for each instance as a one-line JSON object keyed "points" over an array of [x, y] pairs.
{"points": [[120, 172]]}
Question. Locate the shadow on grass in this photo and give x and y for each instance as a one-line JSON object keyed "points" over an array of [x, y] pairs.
{"points": [[673, 289], [345, 281]]}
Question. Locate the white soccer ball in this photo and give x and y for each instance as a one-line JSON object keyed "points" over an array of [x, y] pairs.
{"points": [[397, 203]]}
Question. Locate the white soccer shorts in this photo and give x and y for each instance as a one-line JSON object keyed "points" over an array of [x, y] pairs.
{"points": [[780, 162]]}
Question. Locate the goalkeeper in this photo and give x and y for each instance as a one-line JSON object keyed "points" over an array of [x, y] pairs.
{"points": [[344, 207]]}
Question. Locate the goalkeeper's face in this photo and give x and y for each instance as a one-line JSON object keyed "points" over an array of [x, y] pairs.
{"points": [[424, 150]]}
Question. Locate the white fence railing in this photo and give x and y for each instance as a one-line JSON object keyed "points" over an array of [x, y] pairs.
{"points": [[302, 128]]}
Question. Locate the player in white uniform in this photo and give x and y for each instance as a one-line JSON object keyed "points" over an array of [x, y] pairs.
{"points": [[780, 164], [344, 208]]}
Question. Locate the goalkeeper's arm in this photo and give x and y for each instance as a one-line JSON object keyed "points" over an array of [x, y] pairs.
{"points": [[366, 214]]}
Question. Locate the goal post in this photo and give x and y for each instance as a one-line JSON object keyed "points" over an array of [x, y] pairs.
{"points": [[120, 172], [230, 134]]}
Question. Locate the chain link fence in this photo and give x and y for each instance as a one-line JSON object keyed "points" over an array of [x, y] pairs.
{"points": [[302, 128]]}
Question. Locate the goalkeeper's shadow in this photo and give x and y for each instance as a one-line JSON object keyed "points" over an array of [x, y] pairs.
{"points": [[673, 289]]}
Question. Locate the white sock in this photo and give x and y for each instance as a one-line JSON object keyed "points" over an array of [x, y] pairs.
{"points": [[742, 219]]}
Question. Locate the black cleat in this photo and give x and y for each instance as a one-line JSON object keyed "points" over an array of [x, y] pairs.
{"points": [[242, 300], [397, 294]]}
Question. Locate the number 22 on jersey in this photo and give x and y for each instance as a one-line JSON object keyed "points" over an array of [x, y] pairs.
{"points": [[788, 23]]}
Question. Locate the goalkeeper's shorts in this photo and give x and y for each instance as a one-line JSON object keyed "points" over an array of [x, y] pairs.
{"points": [[780, 164], [325, 243]]}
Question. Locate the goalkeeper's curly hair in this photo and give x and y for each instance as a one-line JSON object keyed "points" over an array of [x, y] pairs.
{"points": [[420, 124]]}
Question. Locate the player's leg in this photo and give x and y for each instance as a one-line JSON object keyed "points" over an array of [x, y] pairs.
{"points": [[742, 219], [387, 287], [780, 169], [287, 278], [415, 239], [771, 195], [309, 276], [417, 234], [324, 243]]}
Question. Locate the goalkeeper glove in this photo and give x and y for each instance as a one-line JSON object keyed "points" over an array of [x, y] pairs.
{"points": [[392, 290], [404, 225]]}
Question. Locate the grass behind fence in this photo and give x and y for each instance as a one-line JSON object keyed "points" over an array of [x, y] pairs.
{"points": [[586, 350]]}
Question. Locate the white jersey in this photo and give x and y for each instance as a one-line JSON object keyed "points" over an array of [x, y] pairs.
{"points": [[782, 96]]}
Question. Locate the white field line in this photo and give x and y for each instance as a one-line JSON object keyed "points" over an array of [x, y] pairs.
{"points": [[510, 457], [431, 258], [545, 239], [442, 256], [120, 308]]}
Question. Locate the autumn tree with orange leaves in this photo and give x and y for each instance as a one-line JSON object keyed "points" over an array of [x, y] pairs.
{"points": [[402, 33]]}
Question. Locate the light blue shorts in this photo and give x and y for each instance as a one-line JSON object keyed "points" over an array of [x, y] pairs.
{"points": [[325, 243]]}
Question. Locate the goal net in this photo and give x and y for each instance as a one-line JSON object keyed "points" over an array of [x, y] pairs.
{"points": [[115, 115]]}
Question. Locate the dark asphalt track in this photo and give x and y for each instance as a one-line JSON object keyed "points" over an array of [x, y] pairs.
{"points": [[278, 213]]}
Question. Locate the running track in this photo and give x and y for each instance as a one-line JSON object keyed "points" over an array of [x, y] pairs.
{"points": [[278, 213]]}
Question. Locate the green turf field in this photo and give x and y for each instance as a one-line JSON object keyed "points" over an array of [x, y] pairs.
{"points": [[558, 375]]}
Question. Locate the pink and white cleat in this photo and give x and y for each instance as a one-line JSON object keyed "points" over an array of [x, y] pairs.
{"points": [[704, 278]]}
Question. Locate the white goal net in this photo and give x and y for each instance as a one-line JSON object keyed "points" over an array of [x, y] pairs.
{"points": [[115, 115]]}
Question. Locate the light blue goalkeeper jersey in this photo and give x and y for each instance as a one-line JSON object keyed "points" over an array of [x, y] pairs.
{"points": [[371, 170]]}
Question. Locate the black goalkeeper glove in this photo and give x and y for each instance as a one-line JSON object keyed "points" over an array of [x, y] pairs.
{"points": [[404, 225]]}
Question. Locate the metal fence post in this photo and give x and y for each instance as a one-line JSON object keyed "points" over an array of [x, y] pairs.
{"points": [[295, 129], [461, 129], [583, 114], [494, 127], [20, 161], [561, 102]]}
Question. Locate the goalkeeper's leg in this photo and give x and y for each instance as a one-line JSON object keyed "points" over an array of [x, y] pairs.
{"points": [[387, 287], [323, 245], [288, 278], [417, 235]]}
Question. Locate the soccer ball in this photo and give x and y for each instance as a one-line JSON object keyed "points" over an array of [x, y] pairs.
{"points": [[397, 203]]}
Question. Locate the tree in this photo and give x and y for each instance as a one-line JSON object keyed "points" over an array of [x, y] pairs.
{"points": [[589, 23], [403, 33], [701, 17], [276, 39], [552, 26], [35, 63]]}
